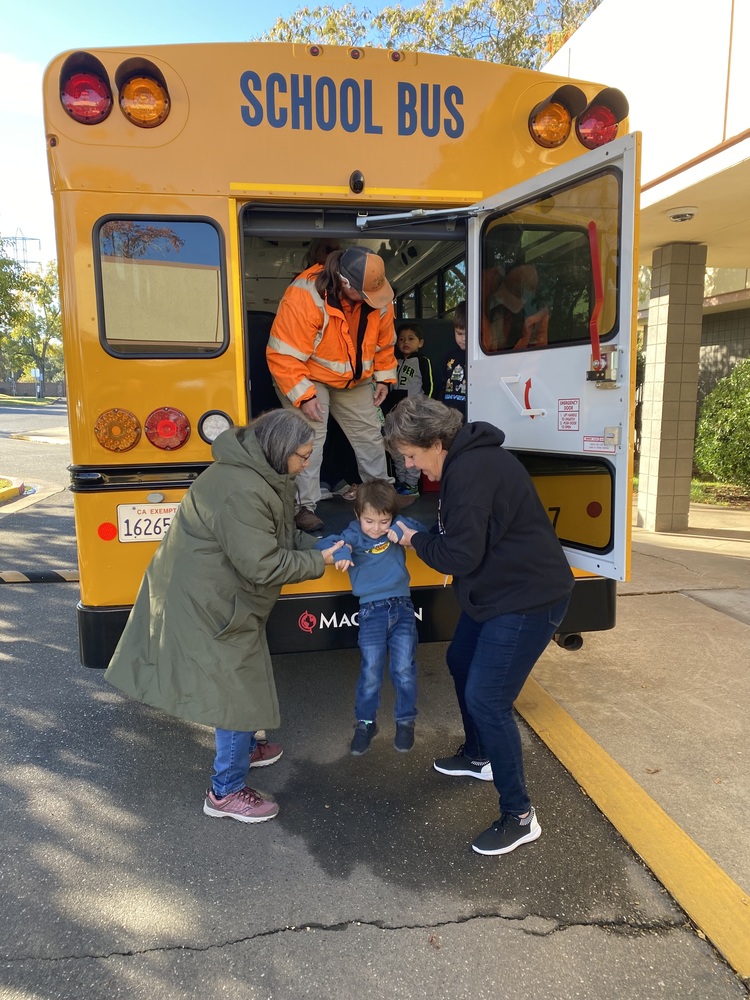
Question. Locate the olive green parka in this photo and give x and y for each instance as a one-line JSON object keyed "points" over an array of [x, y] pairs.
{"points": [[195, 642]]}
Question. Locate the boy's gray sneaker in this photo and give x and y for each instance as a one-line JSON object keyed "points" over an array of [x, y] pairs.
{"points": [[363, 733], [508, 833], [404, 738], [460, 764]]}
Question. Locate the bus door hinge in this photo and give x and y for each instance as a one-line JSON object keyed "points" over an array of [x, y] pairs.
{"points": [[603, 371], [612, 437]]}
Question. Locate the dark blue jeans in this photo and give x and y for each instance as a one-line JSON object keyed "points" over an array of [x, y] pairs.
{"points": [[489, 662], [387, 627], [233, 749]]}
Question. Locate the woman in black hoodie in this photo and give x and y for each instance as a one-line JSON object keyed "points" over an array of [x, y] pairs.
{"points": [[513, 585]]}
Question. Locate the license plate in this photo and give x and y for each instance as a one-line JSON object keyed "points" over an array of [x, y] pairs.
{"points": [[147, 522]]}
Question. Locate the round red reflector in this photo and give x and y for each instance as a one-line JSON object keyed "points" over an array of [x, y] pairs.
{"points": [[107, 531], [87, 98], [594, 509], [597, 126], [167, 428]]}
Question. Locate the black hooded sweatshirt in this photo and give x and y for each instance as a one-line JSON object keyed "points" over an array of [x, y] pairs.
{"points": [[496, 538]]}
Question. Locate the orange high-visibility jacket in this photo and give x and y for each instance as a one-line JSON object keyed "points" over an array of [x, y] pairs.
{"points": [[310, 342]]}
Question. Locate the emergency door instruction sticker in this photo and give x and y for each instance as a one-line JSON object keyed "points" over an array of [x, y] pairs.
{"points": [[598, 443], [568, 414]]}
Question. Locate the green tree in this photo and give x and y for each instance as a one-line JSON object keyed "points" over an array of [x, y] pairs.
{"points": [[12, 281], [515, 32], [36, 338], [722, 444]]}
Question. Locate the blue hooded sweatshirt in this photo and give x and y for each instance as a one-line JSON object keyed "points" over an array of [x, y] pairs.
{"points": [[379, 569]]}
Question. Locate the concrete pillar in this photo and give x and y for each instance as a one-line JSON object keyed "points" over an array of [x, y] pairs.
{"points": [[670, 387]]}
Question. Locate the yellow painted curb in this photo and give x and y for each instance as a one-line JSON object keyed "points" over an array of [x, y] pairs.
{"points": [[16, 489], [715, 903]]}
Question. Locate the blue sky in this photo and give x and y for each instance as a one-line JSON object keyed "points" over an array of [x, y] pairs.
{"points": [[32, 32]]}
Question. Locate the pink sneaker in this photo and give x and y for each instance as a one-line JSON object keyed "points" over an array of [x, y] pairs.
{"points": [[265, 753], [246, 805]]}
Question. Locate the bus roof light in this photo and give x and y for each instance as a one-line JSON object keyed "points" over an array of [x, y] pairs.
{"points": [[144, 101], [551, 121], [167, 428], [599, 122], [87, 97]]}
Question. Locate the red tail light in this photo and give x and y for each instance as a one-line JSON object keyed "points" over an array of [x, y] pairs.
{"points": [[87, 97], [598, 124], [167, 428]]}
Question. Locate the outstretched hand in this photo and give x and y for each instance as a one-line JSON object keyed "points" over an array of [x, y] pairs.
{"points": [[329, 557], [406, 534]]}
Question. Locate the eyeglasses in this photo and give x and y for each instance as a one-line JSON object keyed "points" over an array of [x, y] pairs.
{"points": [[304, 458]]}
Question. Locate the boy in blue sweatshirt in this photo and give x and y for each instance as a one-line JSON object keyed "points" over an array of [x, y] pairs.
{"points": [[377, 569]]}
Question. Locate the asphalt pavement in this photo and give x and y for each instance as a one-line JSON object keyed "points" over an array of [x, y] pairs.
{"points": [[115, 883]]}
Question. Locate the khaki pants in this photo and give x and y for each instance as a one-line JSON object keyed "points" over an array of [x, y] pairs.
{"points": [[354, 412]]}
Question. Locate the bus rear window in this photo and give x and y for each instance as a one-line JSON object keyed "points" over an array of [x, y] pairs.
{"points": [[161, 287], [538, 268]]}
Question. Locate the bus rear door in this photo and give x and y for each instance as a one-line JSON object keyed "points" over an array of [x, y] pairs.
{"points": [[550, 353]]}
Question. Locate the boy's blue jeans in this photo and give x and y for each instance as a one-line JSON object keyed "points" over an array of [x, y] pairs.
{"points": [[232, 760], [387, 627], [489, 662]]}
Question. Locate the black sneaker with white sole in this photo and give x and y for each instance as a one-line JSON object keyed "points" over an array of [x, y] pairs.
{"points": [[460, 764], [508, 833]]}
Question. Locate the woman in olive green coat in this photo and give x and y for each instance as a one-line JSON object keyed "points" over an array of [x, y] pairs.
{"points": [[195, 642]]}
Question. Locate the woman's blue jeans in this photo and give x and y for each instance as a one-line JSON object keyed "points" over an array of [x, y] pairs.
{"points": [[489, 662], [232, 760], [387, 627]]}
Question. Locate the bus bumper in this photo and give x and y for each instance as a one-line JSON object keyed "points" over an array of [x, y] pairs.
{"points": [[306, 624]]}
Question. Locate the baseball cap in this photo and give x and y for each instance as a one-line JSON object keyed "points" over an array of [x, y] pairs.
{"points": [[365, 272]]}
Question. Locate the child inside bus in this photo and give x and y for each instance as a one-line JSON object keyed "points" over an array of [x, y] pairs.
{"points": [[387, 629], [413, 378], [453, 385]]}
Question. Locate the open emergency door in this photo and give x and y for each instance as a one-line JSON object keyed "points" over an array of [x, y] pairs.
{"points": [[550, 342]]}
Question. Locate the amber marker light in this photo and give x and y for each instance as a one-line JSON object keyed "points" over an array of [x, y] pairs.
{"points": [[117, 430], [551, 121], [167, 428], [551, 126], [86, 97], [144, 101]]}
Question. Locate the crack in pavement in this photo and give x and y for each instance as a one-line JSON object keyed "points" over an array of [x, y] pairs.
{"points": [[621, 926]]}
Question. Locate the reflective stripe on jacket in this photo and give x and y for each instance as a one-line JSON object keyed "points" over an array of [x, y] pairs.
{"points": [[310, 342]]}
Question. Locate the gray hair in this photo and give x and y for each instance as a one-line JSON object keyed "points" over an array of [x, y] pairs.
{"points": [[420, 421], [280, 433]]}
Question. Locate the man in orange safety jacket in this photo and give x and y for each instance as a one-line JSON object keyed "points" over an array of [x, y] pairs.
{"points": [[331, 351]]}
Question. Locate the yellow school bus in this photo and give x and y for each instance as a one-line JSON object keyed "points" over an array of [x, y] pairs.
{"points": [[191, 183]]}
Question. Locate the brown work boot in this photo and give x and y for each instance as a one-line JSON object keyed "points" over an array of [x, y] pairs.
{"points": [[406, 500], [307, 520]]}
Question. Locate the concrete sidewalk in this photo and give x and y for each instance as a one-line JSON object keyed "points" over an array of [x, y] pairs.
{"points": [[666, 693]]}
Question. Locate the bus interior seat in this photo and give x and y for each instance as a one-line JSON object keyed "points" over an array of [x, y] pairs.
{"points": [[262, 393]]}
